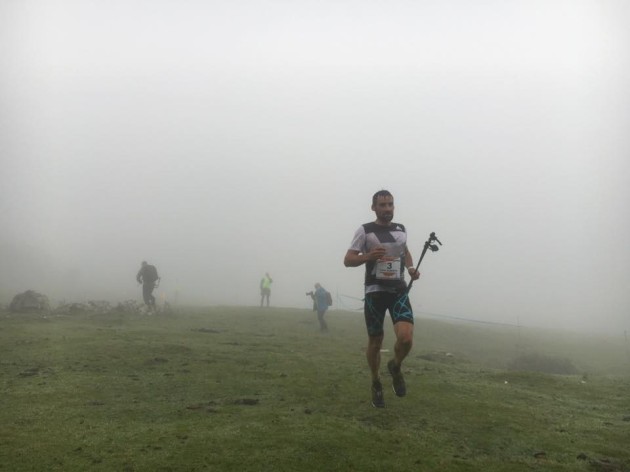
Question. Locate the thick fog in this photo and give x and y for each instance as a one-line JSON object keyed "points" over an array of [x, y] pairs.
{"points": [[221, 140]]}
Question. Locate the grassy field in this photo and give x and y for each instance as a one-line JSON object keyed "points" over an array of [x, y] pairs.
{"points": [[249, 389]]}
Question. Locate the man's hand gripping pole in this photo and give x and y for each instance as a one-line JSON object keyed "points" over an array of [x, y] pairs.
{"points": [[427, 245]]}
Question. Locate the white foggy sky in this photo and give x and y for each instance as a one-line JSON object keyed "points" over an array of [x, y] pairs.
{"points": [[219, 140]]}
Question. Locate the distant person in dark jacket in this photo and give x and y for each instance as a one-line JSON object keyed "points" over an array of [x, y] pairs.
{"points": [[321, 302], [148, 277]]}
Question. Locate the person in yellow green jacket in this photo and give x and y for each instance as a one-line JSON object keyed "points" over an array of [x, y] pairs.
{"points": [[265, 288]]}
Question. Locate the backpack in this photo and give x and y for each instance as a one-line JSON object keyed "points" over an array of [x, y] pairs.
{"points": [[328, 298]]}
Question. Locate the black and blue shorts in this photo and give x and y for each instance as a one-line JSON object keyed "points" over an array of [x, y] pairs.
{"points": [[377, 303]]}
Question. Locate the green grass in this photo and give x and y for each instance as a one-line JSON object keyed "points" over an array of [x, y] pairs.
{"points": [[249, 389]]}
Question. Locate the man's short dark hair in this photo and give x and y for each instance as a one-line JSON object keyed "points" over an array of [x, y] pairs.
{"points": [[380, 193]]}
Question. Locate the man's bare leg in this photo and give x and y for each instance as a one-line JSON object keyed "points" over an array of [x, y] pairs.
{"points": [[404, 341], [373, 355]]}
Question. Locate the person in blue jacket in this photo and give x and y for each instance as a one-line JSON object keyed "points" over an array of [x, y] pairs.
{"points": [[321, 302]]}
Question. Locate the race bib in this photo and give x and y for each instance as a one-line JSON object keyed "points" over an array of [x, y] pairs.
{"points": [[388, 268]]}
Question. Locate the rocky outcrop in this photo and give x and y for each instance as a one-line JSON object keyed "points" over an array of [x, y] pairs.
{"points": [[29, 301]]}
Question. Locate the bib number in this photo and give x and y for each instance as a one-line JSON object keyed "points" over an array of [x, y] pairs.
{"points": [[388, 268]]}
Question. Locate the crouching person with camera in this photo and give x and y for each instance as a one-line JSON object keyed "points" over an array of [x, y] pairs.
{"points": [[321, 301]]}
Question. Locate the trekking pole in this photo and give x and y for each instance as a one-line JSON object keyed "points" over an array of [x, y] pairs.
{"points": [[427, 245]]}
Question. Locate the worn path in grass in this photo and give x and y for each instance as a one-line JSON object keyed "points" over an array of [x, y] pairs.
{"points": [[248, 389]]}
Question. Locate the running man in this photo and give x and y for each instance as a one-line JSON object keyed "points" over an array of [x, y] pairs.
{"points": [[148, 277], [382, 247]]}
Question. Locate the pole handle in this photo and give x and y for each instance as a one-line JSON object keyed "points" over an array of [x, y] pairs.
{"points": [[427, 245]]}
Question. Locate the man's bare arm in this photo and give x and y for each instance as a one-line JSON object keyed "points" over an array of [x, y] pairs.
{"points": [[413, 273], [356, 258], [408, 258]]}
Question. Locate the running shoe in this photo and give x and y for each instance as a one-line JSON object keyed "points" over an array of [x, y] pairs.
{"points": [[378, 400], [400, 389]]}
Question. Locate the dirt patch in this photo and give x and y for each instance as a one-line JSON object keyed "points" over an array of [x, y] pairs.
{"points": [[543, 364], [247, 401], [441, 357], [207, 330]]}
